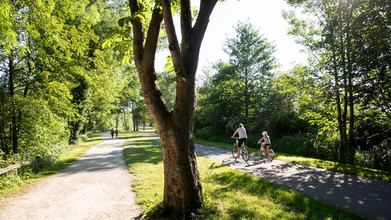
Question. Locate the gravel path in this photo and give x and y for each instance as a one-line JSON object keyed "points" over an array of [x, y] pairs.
{"points": [[95, 186]]}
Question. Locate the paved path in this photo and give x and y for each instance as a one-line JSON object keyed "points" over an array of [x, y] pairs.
{"points": [[95, 186], [367, 197]]}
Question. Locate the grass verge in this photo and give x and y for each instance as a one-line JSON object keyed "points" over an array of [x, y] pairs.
{"points": [[17, 184], [324, 164], [228, 193], [72, 154]]}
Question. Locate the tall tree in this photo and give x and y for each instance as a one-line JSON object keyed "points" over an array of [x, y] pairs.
{"points": [[182, 187], [351, 41], [40, 55], [252, 58]]}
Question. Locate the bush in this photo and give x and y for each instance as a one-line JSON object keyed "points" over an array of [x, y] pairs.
{"points": [[207, 133], [373, 138], [287, 123], [294, 144], [377, 157]]}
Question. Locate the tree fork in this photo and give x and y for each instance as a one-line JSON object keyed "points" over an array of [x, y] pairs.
{"points": [[182, 188]]}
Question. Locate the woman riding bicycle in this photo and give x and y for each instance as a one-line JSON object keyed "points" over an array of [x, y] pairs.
{"points": [[266, 140], [242, 136]]}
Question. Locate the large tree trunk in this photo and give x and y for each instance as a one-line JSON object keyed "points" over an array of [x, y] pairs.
{"points": [[75, 132], [182, 188]]}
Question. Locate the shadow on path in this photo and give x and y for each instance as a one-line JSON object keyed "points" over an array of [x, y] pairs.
{"points": [[367, 197]]}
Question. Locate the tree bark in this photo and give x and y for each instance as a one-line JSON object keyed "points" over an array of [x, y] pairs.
{"points": [[182, 188], [351, 141], [337, 86], [126, 126], [3, 135], [14, 121]]}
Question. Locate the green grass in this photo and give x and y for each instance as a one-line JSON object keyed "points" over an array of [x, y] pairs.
{"points": [[66, 158], [324, 164], [130, 134], [228, 193]]}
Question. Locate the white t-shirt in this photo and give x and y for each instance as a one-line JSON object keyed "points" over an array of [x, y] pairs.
{"points": [[242, 133]]}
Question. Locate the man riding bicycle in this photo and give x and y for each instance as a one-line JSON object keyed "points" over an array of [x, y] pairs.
{"points": [[242, 136]]}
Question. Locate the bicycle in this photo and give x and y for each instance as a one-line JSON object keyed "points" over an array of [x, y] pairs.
{"points": [[245, 151], [268, 153]]}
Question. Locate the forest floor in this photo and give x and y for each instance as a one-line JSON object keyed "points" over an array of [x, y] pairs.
{"points": [[95, 186]]}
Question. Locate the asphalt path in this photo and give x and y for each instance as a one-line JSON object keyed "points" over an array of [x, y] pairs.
{"points": [[366, 197]]}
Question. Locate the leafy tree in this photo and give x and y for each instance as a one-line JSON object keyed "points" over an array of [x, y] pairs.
{"points": [[239, 89], [38, 69], [109, 84], [372, 34], [347, 42], [219, 97], [252, 59], [182, 188]]}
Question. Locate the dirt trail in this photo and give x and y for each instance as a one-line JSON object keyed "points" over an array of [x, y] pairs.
{"points": [[95, 186]]}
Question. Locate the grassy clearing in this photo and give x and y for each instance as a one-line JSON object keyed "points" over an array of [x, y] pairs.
{"points": [[17, 183], [228, 193], [324, 164]]}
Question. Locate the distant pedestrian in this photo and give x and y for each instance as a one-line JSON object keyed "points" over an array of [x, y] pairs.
{"points": [[112, 133], [116, 133]]}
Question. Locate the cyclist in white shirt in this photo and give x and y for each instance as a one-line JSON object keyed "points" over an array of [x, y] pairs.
{"points": [[242, 136]]}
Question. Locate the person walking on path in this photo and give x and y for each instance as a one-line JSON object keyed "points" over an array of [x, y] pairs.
{"points": [[242, 136], [112, 132], [116, 133]]}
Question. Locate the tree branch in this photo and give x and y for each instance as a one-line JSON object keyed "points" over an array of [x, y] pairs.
{"points": [[186, 18], [206, 8], [173, 40], [153, 36], [144, 56], [138, 35]]}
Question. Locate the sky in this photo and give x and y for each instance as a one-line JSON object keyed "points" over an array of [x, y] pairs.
{"points": [[264, 15]]}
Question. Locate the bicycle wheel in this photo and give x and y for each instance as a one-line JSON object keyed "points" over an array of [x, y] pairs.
{"points": [[271, 154], [261, 154], [234, 151], [245, 153]]}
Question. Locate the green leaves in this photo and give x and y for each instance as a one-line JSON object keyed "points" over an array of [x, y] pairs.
{"points": [[124, 21]]}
